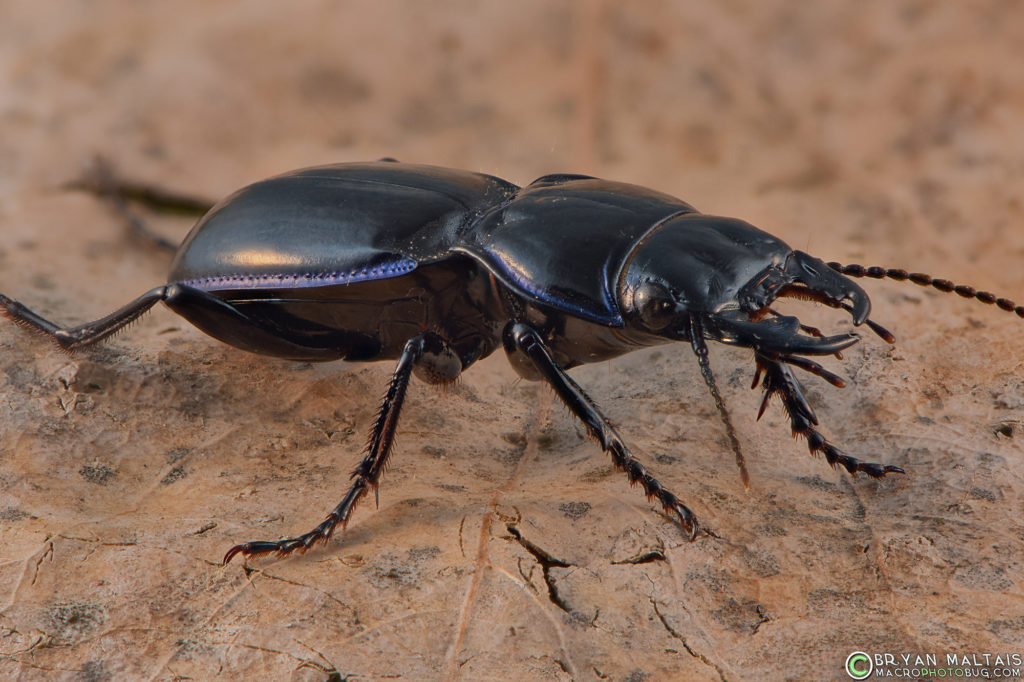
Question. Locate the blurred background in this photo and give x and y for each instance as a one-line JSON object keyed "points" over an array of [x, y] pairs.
{"points": [[882, 132]]}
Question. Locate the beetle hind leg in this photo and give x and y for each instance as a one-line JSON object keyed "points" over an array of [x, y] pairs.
{"points": [[777, 379], [523, 339], [427, 354], [73, 338]]}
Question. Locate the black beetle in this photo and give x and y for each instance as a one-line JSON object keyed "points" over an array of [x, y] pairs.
{"points": [[437, 267]]}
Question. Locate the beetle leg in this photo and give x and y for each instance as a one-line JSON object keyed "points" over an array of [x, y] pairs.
{"points": [[427, 345], [195, 305], [778, 379], [72, 338], [520, 337]]}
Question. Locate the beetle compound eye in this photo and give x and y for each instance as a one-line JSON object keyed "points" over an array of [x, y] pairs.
{"points": [[655, 305]]}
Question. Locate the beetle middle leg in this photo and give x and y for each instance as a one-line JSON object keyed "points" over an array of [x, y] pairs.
{"points": [[433, 360], [524, 339], [778, 380]]}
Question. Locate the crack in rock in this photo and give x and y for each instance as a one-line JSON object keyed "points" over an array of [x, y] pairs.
{"points": [[547, 562], [672, 631]]}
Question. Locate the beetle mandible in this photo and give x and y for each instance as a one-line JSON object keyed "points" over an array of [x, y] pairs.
{"points": [[437, 268]]}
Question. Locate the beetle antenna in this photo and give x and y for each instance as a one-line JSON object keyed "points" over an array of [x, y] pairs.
{"points": [[700, 348], [943, 285]]}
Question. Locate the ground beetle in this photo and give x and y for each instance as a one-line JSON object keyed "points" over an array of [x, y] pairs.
{"points": [[437, 268]]}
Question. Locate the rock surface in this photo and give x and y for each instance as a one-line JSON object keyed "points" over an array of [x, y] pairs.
{"points": [[505, 546]]}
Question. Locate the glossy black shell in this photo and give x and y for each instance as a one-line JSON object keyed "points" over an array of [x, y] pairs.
{"points": [[351, 260], [335, 225], [564, 239]]}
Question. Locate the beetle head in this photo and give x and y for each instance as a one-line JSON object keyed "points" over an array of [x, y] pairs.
{"points": [[726, 273]]}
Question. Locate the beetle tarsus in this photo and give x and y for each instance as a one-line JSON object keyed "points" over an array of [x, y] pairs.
{"points": [[778, 379], [249, 549], [684, 517], [524, 338], [321, 534]]}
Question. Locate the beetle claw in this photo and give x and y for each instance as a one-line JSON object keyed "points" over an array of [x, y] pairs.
{"points": [[687, 519], [249, 549]]}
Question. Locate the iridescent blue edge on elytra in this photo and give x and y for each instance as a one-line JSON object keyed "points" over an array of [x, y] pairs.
{"points": [[611, 317], [303, 279]]}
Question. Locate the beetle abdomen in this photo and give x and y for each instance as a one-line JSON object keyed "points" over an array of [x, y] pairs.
{"points": [[357, 322]]}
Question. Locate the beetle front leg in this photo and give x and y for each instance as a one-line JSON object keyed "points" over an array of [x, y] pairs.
{"points": [[433, 357], [779, 380], [521, 338]]}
